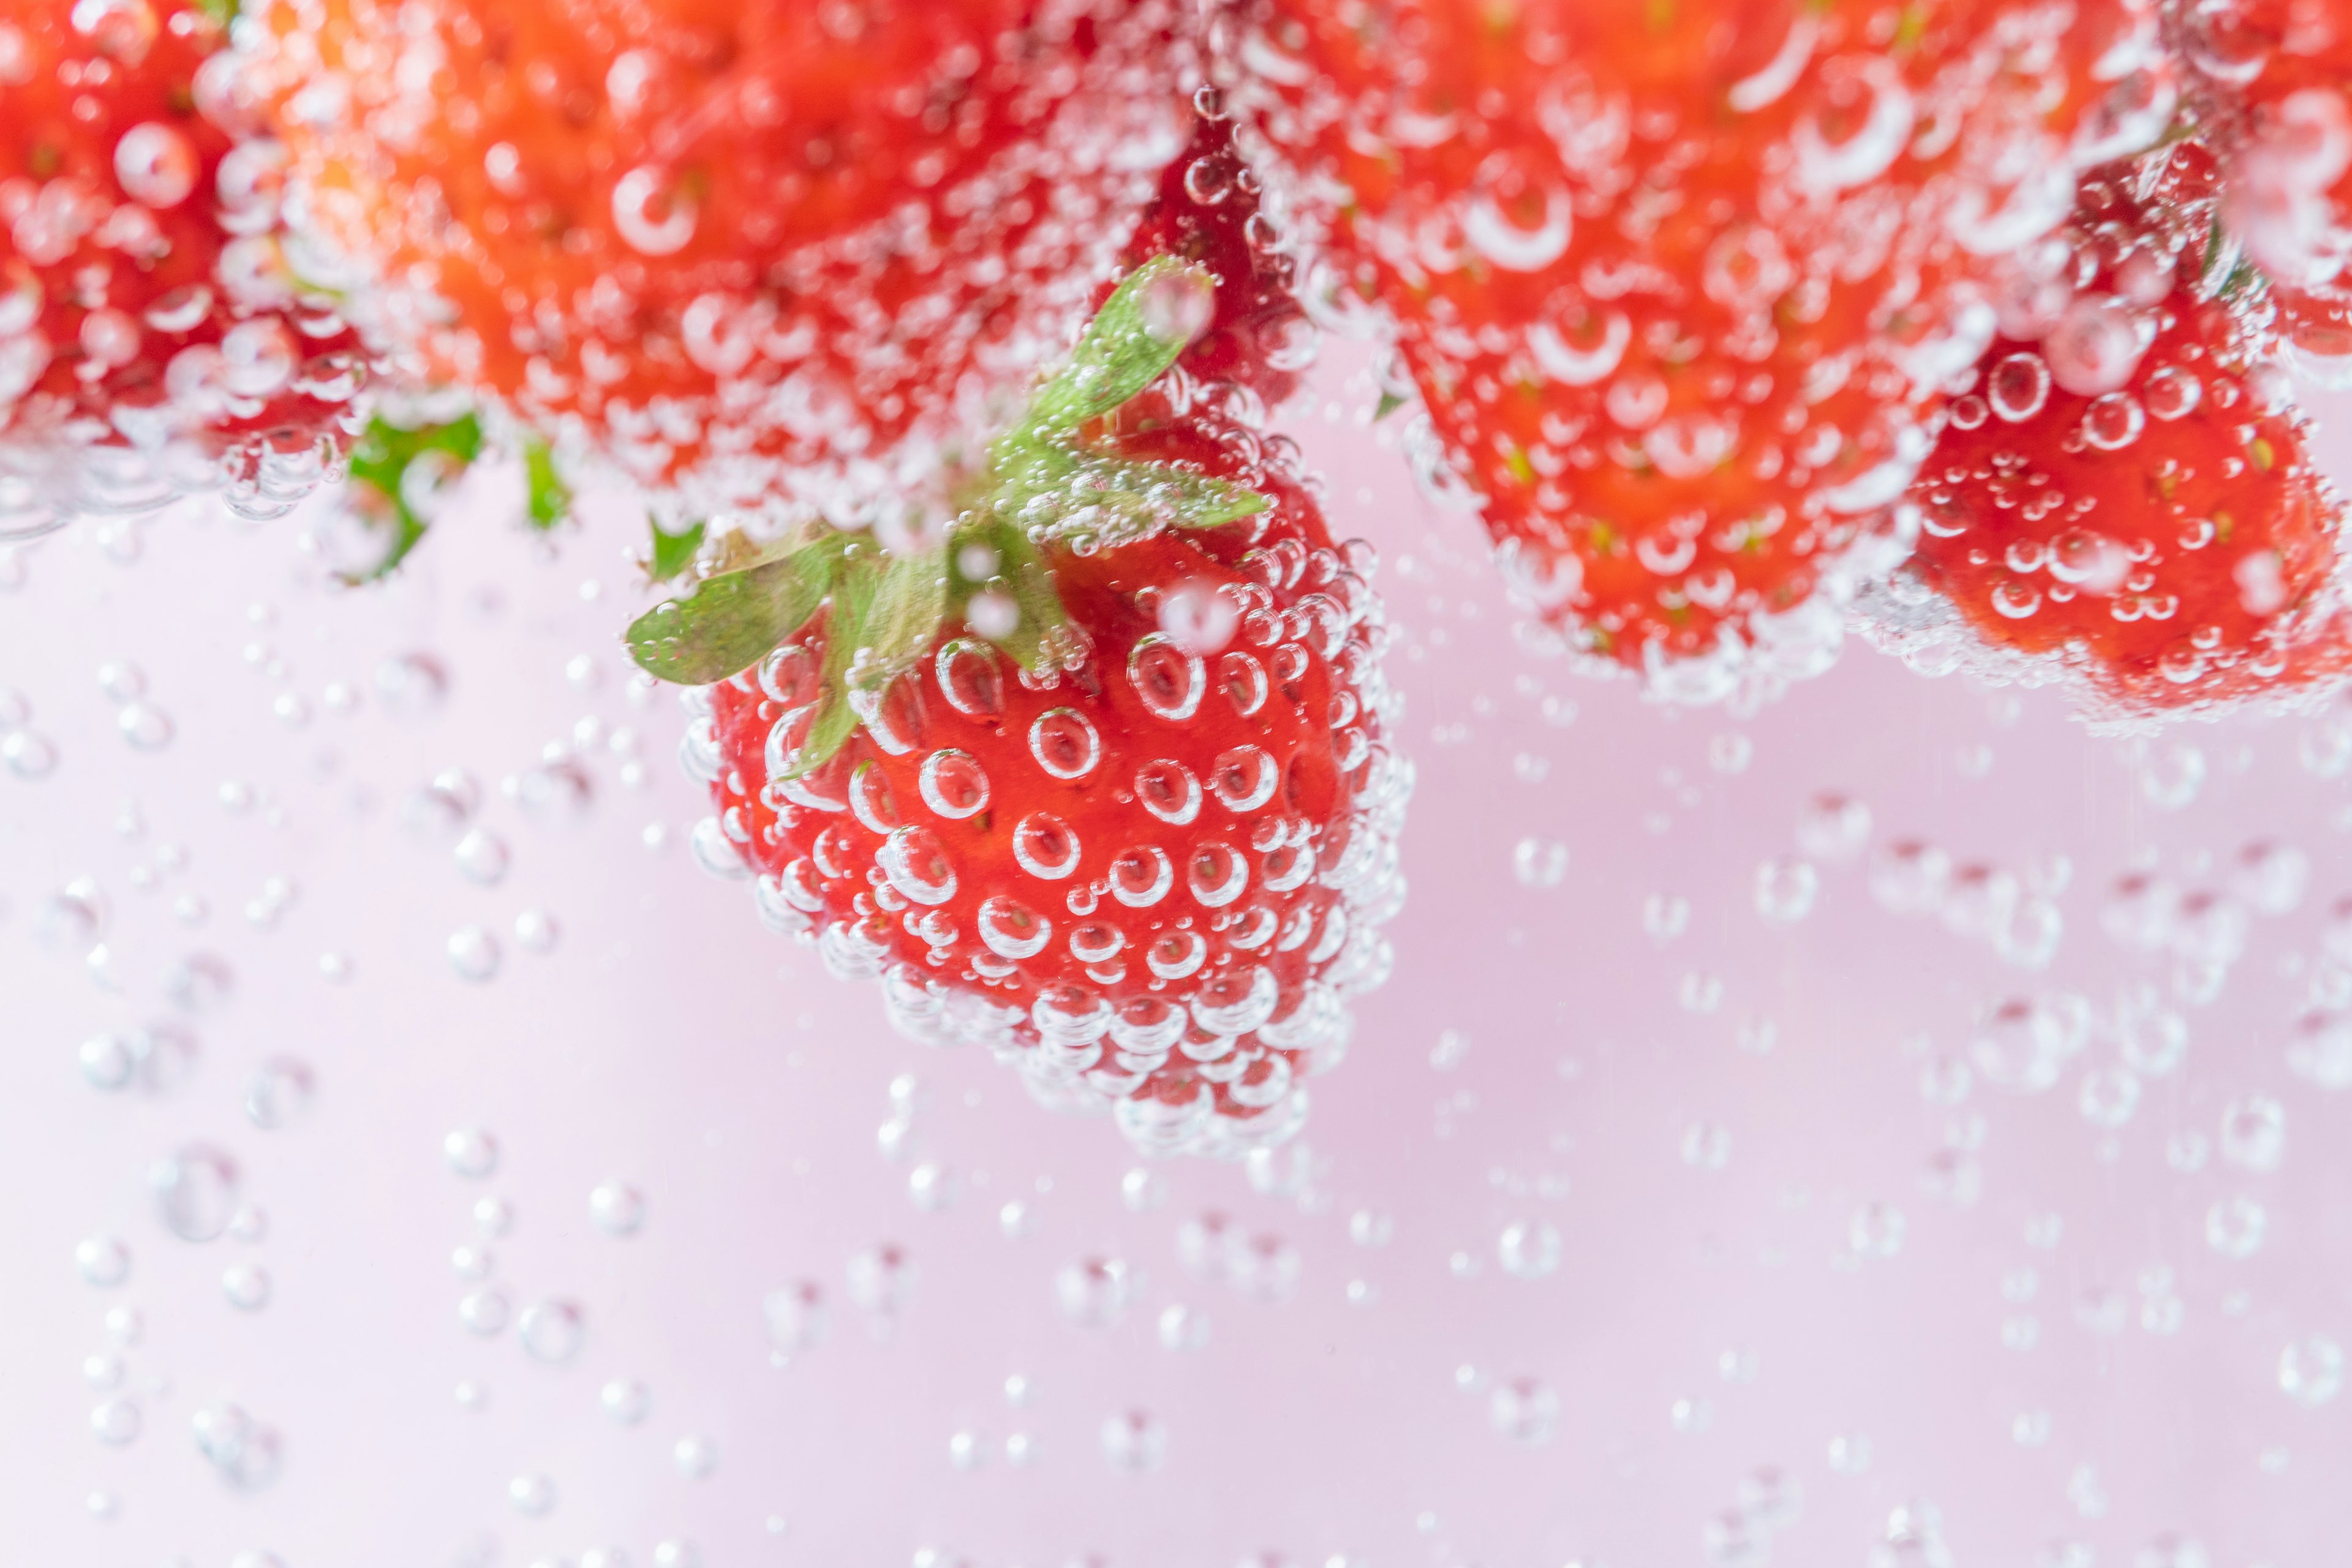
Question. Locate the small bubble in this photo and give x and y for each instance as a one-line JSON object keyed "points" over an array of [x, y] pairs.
{"points": [[2254, 1134], [695, 1456], [28, 755], [471, 1153], [1877, 1231], [2311, 1371], [552, 1331], [1528, 1249], [1523, 1409], [196, 1193], [115, 1422], [482, 858], [1142, 1188], [535, 932], [1182, 1328], [144, 726], [1785, 889], [533, 1494], [104, 1262], [243, 1451], [617, 1208], [485, 1311], [1134, 1441], [626, 1401], [246, 1285], [474, 953], [279, 1092], [1539, 863]]}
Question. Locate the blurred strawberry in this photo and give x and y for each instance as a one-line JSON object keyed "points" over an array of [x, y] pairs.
{"points": [[154, 337], [759, 255], [2276, 100], [1680, 284], [1096, 775], [2129, 495]]}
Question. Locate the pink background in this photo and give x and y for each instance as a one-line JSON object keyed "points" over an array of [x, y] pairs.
{"points": [[1535, 1062]]}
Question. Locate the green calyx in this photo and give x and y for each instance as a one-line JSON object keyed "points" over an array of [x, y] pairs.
{"points": [[398, 471], [395, 470], [1043, 484]]}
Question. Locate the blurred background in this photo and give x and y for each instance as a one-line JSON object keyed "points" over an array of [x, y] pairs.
{"points": [[1896, 1127]]}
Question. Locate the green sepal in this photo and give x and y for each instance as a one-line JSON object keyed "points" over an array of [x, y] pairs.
{"points": [[221, 11], [848, 616], [909, 603], [730, 620], [380, 460], [1041, 638], [1105, 501], [547, 499], [1389, 402], [1118, 354], [672, 552]]}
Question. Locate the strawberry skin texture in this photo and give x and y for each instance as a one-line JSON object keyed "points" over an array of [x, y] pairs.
{"points": [[756, 255], [2171, 543], [1679, 285], [143, 297]]}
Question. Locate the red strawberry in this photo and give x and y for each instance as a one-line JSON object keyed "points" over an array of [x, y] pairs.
{"points": [[2277, 102], [2129, 497], [1099, 779], [759, 255], [1680, 284], [153, 336]]}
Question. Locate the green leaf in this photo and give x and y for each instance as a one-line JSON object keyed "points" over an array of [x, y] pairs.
{"points": [[549, 498], [673, 552], [1147, 321], [221, 11], [848, 618], [1041, 637], [909, 603], [730, 621], [380, 466], [1389, 402], [1107, 502]]}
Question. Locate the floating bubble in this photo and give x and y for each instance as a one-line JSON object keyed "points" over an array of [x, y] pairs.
{"points": [[196, 1191], [552, 1331], [626, 1401], [470, 1151], [246, 1286], [1134, 1441], [2311, 1371], [279, 1092], [617, 1208]]}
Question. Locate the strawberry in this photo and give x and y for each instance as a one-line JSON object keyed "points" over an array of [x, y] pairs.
{"points": [[1679, 285], [1093, 771], [2126, 497], [760, 257], [2276, 100], [152, 335]]}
